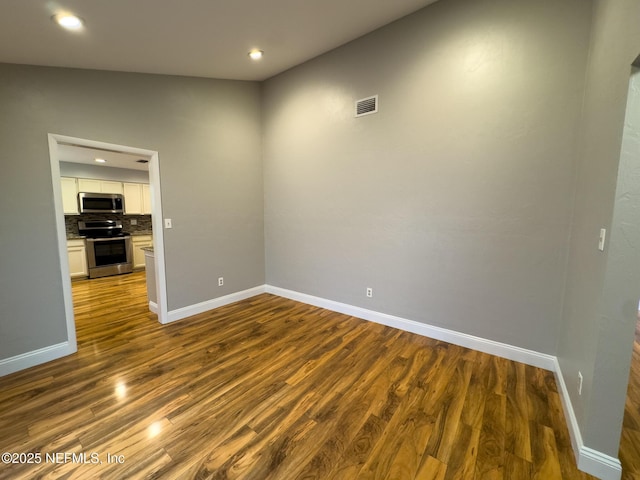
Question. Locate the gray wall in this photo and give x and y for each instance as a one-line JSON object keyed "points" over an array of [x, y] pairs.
{"points": [[80, 170], [207, 133], [454, 201], [603, 287]]}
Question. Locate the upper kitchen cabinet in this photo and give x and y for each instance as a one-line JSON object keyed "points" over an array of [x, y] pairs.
{"points": [[111, 187], [137, 199], [69, 195], [99, 186], [146, 199]]}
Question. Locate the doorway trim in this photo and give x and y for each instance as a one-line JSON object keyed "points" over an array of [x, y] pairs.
{"points": [[156, 221]]}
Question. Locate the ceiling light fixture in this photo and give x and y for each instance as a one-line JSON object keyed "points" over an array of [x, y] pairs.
{"points": [[256, 54], [101, 160], [68, 21]]}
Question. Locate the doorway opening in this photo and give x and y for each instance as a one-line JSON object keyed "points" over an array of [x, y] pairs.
{"points": [[58, 142], [629, 451]]}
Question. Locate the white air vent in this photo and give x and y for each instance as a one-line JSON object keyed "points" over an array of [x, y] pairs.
{"points": [[367, 106]]}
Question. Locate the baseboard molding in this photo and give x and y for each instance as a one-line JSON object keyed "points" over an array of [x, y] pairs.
{"points": [[35, 357], [589, 460], [572, 422], [184, 312], [153, 307], [492, 347], [599, 464]]}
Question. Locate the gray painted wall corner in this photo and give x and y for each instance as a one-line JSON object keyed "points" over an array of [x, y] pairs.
{"points": [[602, 289], [454, 201]]}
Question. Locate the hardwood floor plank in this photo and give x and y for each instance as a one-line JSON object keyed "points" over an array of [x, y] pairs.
{"points": [[447, 408], [630, 451], [432, 469], [545, 457], [462, 463], [516, 467], [517, 435], [491, 449]]}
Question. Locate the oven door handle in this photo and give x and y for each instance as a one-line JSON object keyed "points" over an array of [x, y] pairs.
{"points": [[106, 239]]}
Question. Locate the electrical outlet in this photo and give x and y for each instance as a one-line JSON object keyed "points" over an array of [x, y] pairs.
{"points": [[579, 383], [134, 221], [167, 223], [220, 281], [369, 292]]}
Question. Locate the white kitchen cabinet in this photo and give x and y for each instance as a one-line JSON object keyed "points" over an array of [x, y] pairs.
{"points": [[99, 186], [77, 252], [89, 185], [132, 198], [146, 199], [69, 195], [111, 187], [137, 199], [139, 242]]}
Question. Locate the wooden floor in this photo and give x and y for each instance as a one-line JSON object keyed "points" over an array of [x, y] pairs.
{"points": [[630, 441], [273, 389]]}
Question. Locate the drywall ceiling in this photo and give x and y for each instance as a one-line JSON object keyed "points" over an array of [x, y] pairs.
{"points": [[203, 38], [87, 156]]}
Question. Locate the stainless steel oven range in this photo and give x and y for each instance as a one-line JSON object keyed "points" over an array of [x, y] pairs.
{"points": [[109, 250]]}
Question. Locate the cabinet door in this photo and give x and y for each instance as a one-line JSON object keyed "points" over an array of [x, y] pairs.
{"points": [[77, 258], [132, 198], [146, 199], [108, 186], [89, 185], [138, 254], [69, 195]]}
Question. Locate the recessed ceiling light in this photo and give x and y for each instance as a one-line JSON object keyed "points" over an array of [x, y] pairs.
{"points": [[68, 21], [256, 54], [101, 160]]}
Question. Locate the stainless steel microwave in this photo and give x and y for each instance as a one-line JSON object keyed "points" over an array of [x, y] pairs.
{"points": [[100, 202]]}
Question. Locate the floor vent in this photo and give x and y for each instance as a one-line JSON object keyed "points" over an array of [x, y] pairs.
{"points": [[367, 106]]}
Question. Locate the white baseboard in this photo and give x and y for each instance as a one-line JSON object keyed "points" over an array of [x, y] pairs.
{"points": [[599, 464], [184, 312], [492, 347], [153, 307], [35, 357], [588, 460]]}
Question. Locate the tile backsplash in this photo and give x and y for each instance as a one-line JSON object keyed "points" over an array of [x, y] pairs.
{"points": [[143, 222]]}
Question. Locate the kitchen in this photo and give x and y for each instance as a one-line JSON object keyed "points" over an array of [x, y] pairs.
{"points": [[107, 209]]}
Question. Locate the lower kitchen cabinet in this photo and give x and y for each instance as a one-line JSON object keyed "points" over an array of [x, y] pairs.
{"points": [[77, 252], [138, 242]]}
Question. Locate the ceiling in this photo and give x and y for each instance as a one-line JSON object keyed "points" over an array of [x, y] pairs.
{"points": [[87, 156], [203, 38]]}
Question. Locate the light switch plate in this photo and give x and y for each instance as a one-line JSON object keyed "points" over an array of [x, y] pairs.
{"points": [[603, 235], [167, 223]]}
